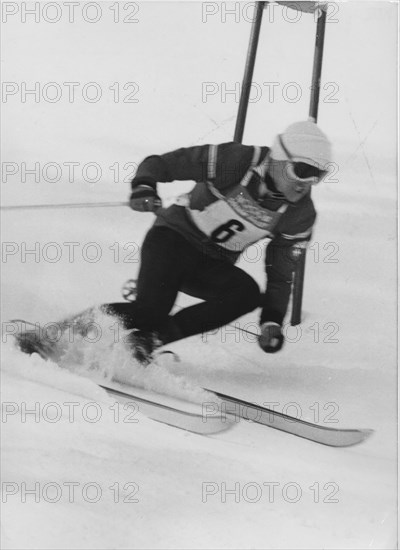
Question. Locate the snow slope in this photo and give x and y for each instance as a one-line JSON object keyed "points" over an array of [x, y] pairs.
{"points": [[105, 481]]}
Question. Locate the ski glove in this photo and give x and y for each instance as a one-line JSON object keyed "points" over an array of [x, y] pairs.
{"points": [[271, 338], [144, 198]]}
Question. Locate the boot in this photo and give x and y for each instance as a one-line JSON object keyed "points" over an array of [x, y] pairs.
{"points": [[143, 345]]}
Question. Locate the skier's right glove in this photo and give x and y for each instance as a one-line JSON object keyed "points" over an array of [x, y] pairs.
{"points": [[144, 198], [271, 338]]}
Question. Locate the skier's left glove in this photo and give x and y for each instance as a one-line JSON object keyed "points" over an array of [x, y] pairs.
{"points": [[144, 198], [271, 338]]}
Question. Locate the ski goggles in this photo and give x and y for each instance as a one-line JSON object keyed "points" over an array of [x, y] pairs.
{"points": [[306, 172]]}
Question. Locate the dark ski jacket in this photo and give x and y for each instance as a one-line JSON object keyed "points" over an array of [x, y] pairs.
{"points": [[219, 171]]}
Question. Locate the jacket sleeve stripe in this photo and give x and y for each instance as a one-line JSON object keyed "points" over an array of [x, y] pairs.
{"points": [[302, 235], [212, 162]]}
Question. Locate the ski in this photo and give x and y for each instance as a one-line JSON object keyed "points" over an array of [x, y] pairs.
{"points": [[178, 418], [207, 423], [333, 437]]}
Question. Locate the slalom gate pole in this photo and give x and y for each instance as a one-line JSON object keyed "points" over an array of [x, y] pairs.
{"points": [[317, 68], [298, 283], [248, 72]]}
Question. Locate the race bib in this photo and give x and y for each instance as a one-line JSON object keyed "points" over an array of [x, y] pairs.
{"points": [[236, 221]]}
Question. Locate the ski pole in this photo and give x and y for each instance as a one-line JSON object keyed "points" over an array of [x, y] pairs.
{"points": [[67, 205]]}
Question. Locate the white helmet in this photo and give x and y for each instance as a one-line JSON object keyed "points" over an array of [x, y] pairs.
{"points": [[303, 142]]}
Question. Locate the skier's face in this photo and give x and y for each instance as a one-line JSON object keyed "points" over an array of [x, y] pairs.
{"points": [[287, 182]]}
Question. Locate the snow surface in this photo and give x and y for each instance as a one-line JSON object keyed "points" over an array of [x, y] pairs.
{"points": [[169, 484]]}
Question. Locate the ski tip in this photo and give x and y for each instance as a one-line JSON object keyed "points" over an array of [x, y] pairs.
{"points": [[367, 433], [355, 437]]}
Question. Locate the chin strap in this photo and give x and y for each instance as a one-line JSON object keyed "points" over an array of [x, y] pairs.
{"points": [[262, 171]]}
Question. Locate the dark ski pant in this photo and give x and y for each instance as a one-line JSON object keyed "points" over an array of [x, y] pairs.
{"points": [[169, 264]]}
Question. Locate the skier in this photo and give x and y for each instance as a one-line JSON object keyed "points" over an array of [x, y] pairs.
{"points": [[242, 194]]}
